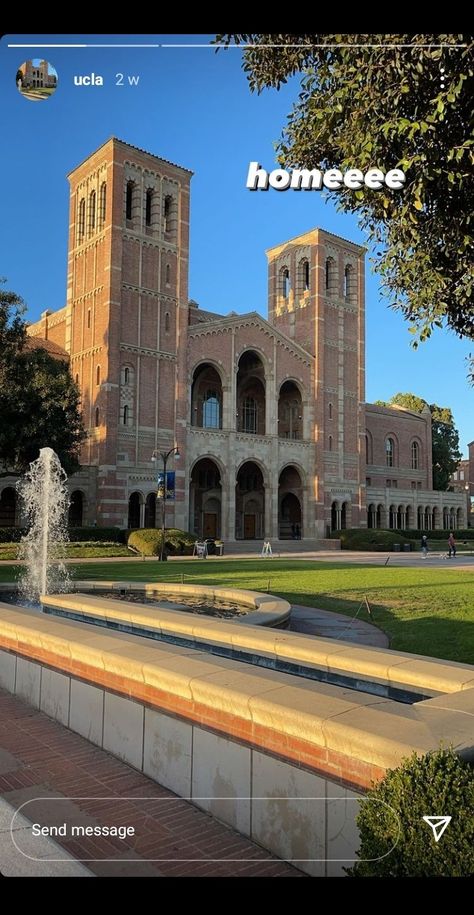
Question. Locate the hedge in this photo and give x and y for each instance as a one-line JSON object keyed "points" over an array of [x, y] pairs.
{"points": [[372, 539], [394, 833], [147, 541], [76, 534], [443, 535]]}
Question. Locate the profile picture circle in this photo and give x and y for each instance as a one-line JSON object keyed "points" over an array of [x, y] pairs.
{"points": [[36, 79]]}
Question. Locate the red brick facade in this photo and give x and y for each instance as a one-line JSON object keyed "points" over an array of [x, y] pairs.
{"points": [[269, 416]]}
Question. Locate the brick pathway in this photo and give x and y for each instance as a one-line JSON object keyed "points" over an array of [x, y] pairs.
{"points": [[41, 758]]}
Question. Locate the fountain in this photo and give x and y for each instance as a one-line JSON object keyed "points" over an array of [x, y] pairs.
{"points": [[45, 503]]}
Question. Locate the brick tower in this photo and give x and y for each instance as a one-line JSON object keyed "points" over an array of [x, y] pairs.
{"points": [[127, 308], [316, 297]]}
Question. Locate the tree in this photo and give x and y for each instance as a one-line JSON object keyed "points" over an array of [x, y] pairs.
{"points": [[39, 401], [444, 435], [386, 106], [396, 842]]}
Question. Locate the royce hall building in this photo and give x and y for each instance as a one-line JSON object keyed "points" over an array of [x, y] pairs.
{"points": [[269, 415]]}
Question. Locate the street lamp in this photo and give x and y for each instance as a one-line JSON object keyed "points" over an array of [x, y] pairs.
{"points": [[164, 455]]}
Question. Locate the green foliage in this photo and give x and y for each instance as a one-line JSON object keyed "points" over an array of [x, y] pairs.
{"points": [[148, 541], [444, 436], [362, 106], [372, 539], [96, 534], [39, 401], [436, 785], [466, 534]]}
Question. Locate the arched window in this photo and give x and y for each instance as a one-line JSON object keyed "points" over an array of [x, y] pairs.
{"points": [[167, 274], [249, 423], [167, 322], [125, 415], [330, 410], [168, 208], [129, 200], [368, 449], [97, 375], [330, 274], [303, 275], [91, 212], [330, 443], [389, 452], [97, 417], [148, 202], [77, 379], [415, 455], [82, 219], [347, 281], [126, 375], [285, 282], [102, 203], [88, 317], [211, 410]]}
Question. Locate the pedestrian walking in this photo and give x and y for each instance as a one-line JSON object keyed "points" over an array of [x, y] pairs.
{"points": [[424, 546], [451, 546]]}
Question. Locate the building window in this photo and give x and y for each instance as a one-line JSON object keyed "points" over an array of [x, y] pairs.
{"points": [[250, 415], [168, 208], [125, 415], [88, 317], [285, 282], [413, 484], [418, 485], [394, 484], [148, 202], [303, 275], [167, 322], [77, 380], [415, 455], [330, 411], [91, 212], [388, 483], [330, 443], [461, 474], [97, 375], [389, 452], [129, 200], [167, 274], [347, 281], [102, 203], [126, 375], [82, 219], [97, 417], [368, 481], [211, 411]]}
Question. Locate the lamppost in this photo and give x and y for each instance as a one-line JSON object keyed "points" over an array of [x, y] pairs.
{"points": [[164, 455]]}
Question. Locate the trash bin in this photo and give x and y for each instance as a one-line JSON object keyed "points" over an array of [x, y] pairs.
{"points": [[407, 547], [396, 547]]}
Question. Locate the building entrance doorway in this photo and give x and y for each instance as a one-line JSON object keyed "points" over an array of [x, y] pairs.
{"points": [[210, 525], [249, 527]]}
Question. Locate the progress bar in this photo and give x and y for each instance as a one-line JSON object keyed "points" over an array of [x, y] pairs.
{"points": [[241, 47]]}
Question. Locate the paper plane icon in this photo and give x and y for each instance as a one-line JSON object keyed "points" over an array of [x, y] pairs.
{"points": [[438, 825]]}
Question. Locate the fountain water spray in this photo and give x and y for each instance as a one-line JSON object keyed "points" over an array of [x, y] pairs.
{"points": [[45, 503]]}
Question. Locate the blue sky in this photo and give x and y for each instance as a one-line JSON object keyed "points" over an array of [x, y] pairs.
{"points": [[192, 106]]}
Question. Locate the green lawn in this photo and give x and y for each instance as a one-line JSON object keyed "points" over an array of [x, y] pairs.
{"points": [[426, 611], [75, 550]]}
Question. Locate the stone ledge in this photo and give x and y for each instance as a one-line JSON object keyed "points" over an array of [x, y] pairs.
{"points": [[344, 732]]}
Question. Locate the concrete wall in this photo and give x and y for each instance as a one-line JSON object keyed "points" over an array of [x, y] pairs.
{"points": [[280, 806]]}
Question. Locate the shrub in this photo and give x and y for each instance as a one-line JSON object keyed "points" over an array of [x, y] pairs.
{"points": [[112, 534], [148, 541], [467, 534], [436, 785], [372, 539], [11, 534]]}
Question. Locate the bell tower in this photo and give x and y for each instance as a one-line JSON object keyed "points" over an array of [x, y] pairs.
{"points": [[127, 310]]}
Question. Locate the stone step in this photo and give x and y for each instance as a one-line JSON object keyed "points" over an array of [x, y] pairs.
{"points": [[305, 545]]}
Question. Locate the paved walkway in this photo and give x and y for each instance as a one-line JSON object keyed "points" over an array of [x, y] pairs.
{"points": [[40, 759], [328, 625]]}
